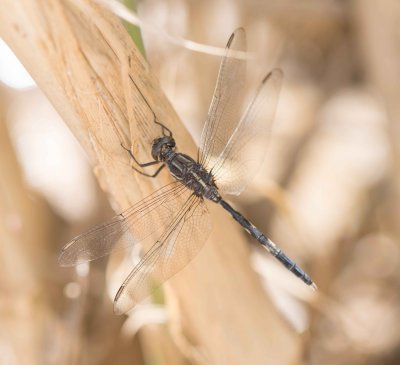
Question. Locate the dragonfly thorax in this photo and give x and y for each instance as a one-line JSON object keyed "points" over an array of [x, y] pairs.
{"points": [[193, 175], [162, 148]]}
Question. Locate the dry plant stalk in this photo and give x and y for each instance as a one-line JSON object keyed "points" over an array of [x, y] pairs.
{"points": [[85, 62], [25, 232], [14, 209]]}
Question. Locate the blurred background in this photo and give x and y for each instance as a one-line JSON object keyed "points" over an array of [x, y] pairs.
{"points": [[328, 191]]}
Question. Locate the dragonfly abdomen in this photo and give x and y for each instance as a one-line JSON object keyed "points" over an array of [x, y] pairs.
{"points": [[268, 244]]}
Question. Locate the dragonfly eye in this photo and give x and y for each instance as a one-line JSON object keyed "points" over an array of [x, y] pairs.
{"points": [[159, 146], [156, 148]]}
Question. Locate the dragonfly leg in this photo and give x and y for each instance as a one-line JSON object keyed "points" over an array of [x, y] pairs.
{"points": [[149, 175], [137, 162], [164, 128], [146, 164]]}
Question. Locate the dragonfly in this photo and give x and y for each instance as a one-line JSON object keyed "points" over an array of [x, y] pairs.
{"points": [[169, 227]]}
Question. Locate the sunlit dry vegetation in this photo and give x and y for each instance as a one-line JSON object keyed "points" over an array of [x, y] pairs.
{"points": [[328, 191]]}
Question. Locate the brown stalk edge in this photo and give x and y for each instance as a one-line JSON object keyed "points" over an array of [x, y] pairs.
{"points": [[85, 62]]}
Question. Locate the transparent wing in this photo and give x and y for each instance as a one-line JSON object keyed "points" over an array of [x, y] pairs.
{"points": [[176, 246], [145, 218], [245, 149], [225, 109]]}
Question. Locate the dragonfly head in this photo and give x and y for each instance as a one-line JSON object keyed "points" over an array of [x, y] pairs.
{"points": [[161, 146]]}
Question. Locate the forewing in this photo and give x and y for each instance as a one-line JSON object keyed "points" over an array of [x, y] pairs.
{"points": [[225, 108], [244, 152], [149, 216], [178, 244]]}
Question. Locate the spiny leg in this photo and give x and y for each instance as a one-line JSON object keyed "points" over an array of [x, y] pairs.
{"points": [[149, 175], [146, 164], [164, 128], [137, 162]]}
